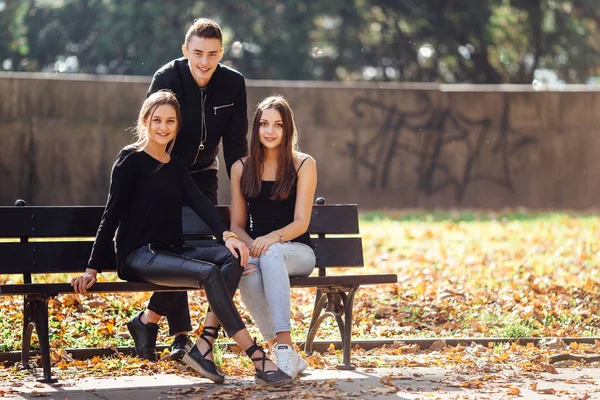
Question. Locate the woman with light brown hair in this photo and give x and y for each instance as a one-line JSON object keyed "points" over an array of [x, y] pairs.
{"points": [[147, 191]]}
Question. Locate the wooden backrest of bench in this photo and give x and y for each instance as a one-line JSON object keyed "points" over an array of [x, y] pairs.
{"points": [[59, 239]]}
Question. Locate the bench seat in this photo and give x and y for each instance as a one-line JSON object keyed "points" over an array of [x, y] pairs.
{"points": [[47, 240]]}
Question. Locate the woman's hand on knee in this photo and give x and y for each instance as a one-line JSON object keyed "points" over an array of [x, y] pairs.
{"points": [[234, 244], [250, 269], [82, 283], [262, 243]]}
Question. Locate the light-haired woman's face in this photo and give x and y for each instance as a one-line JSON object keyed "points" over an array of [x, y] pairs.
{"points": [[270, 131], [162, 127]]}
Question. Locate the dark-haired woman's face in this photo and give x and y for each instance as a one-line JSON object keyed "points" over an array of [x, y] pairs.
{"points": [[163, 125], [270, 131]]}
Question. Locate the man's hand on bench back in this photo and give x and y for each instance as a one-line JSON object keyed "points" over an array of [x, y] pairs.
{"points": [[82, 283]]}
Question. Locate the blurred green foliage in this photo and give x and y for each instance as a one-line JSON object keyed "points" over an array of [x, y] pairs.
{"points": [[479, 41]]}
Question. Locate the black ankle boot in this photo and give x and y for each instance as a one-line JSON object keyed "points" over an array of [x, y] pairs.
{"points": [[180, 346], [271, 378], [144, 337]]}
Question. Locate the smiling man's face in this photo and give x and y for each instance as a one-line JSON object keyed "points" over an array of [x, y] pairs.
{"points": [[203, 56]]}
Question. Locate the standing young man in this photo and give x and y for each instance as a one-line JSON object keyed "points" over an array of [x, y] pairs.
{"points": [[213, 106]]}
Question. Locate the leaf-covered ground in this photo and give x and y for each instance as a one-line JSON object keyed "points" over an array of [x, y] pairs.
{"points": [[461, 274]]}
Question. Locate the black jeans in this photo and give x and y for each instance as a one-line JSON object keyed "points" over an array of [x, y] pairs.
{"points": [[179, 316], [212, 268], [208, 182]]}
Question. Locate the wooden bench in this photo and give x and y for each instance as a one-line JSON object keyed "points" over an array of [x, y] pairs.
{"points": [[62, 250]]}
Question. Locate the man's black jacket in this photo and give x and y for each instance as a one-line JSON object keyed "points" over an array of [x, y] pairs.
{"points": [[225, 113]]}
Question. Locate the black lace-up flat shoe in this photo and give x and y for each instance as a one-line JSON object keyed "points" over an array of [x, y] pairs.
{"points": [[198, 362], [270, 378]]}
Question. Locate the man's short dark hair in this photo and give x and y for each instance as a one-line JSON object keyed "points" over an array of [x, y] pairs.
{"points": [[204, 28]]}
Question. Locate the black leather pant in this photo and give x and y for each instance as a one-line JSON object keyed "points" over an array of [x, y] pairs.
{"points": [[179, 316], [212, 268]]}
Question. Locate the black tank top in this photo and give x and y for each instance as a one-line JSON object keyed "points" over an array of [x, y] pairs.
{"points": [[266, 215]]}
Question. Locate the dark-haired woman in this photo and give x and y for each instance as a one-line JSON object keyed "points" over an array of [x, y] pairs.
{"points": [[272, 191]]}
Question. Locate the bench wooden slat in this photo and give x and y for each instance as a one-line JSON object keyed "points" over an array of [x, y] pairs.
{"points": [[60, 257], [47, 257], [56, 288], [122, 287], [82, 221], [345, 280], [49, 221], [330, 252], [338, 252], [193, 224], [334, 219]]}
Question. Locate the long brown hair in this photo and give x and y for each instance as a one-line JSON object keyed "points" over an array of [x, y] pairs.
{"points": [[286, 172], [147, 110]]}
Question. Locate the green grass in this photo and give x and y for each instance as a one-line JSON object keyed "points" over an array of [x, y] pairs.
{"points": [[516, 330], [498, 348], [218, 351]]}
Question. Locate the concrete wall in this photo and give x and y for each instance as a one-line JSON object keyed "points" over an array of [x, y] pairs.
{"points": [[378, 145]]}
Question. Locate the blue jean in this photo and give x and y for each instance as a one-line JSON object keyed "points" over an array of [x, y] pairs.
{"points": [[266, 292]]}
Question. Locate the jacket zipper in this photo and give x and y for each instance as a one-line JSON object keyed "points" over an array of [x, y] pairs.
{"points": [[223, 106], [202, 127]]}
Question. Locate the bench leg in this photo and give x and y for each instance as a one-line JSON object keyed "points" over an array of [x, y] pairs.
{"points": [[337, 304], [36, 314], [313, 330], [315, 322], [27, 331], [347, 333]]}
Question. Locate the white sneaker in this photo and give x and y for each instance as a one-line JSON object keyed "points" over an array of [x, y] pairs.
{"points": [[302, 365], [287, 359]]}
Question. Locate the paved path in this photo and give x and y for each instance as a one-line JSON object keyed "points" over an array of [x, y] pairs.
{"points": [[369, 383]]}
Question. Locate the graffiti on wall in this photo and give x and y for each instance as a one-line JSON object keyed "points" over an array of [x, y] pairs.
{"points": [[432, 136]]}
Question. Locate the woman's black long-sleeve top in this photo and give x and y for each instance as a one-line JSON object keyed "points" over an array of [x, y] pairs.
{"points": [[144, 203]]}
